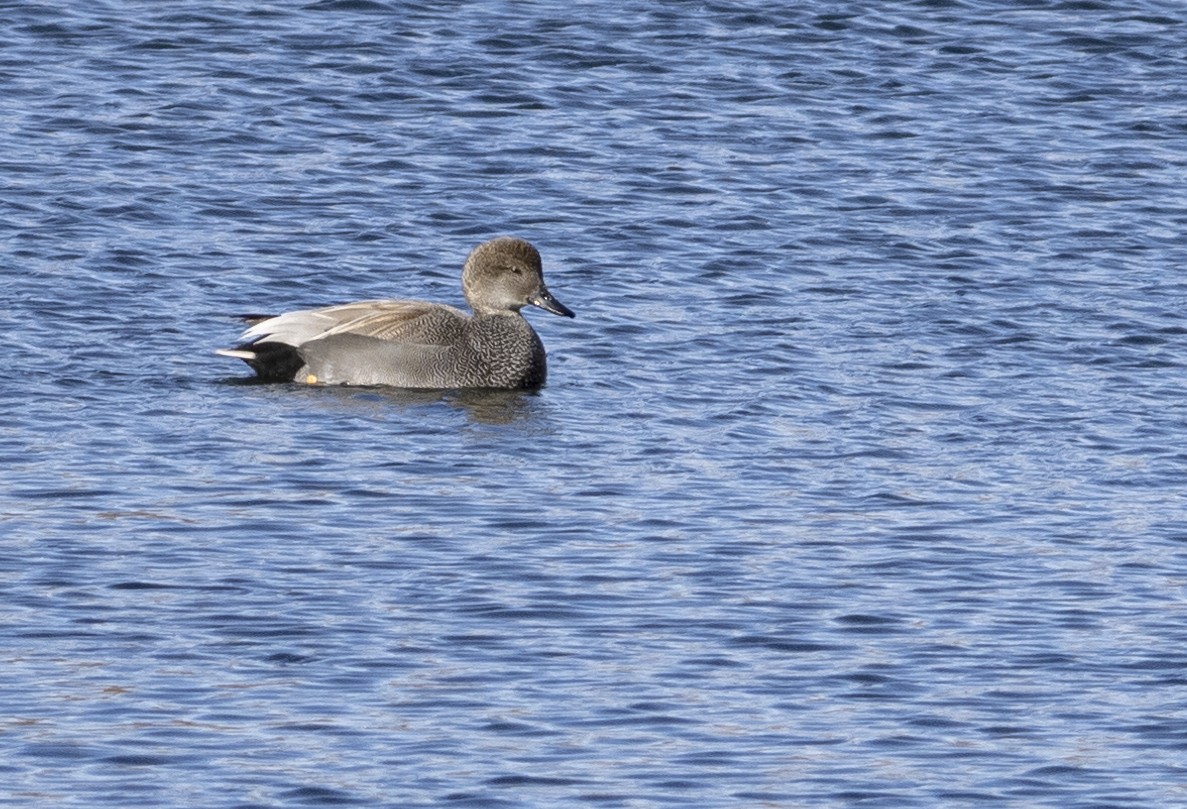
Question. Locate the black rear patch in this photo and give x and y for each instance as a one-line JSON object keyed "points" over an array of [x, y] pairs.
{"points": [[274, 362]]}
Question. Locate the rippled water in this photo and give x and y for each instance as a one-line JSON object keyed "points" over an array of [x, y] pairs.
{"points": [[858, 481]]}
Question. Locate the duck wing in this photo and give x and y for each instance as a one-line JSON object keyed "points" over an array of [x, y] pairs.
{"points": [[415, 322]]}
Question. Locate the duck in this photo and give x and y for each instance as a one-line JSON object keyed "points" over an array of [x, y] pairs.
{"points": [[417, 344]]}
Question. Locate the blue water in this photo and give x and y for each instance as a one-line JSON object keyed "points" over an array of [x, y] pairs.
{"points": [[858, 480]]}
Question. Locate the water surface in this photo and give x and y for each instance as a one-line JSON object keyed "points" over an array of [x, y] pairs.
{"points": [[858, 480]]}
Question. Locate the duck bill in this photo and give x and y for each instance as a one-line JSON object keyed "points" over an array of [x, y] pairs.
{"points": [[545, 301]]}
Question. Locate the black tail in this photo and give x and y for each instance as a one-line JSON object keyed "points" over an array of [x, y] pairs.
{"points": [[273, 362]]}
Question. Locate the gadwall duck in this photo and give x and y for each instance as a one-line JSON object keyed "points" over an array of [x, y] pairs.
{"points": [[417, 344]]}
